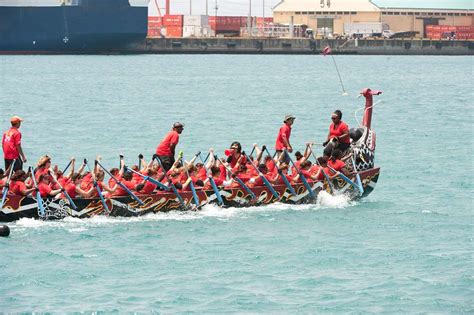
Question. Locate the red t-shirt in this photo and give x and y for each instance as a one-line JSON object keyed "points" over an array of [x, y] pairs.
{"points": [[17, 187], [164, 148], [307, 176], [337, 131], [337, 165], [64, 181], [44, 190], [11, 138], [219, 182], [70, 188], [40, 171], [148, 188], [201, 174], [284, 133], [95, 193], [86, 182], [270, 166], [122, 192]]}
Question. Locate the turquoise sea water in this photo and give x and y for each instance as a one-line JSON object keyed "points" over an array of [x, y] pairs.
{"points": [[407, 248]]}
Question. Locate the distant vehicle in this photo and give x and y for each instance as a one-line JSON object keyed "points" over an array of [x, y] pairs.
{"points": [[392, 35], [449, 35]]}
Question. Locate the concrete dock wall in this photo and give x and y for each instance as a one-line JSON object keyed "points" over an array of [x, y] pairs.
{"points": [[300, 46]]}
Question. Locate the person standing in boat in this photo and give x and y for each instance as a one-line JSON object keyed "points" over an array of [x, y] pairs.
{"points": [[166, 149], [11, 144], [283, 138], [338, 136]]}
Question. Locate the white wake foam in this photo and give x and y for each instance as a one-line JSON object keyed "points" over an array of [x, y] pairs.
{"points": [[76, 225]]}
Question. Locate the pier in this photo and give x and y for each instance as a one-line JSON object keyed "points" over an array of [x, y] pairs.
{"points": [[300, 46]]}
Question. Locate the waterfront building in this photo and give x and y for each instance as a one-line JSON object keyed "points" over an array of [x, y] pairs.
{"points": [[330, 17]]}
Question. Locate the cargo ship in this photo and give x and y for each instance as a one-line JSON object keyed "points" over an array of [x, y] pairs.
{"points": [[70, 26]]}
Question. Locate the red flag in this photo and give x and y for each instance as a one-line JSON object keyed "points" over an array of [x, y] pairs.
{"points": [[327, 50]]}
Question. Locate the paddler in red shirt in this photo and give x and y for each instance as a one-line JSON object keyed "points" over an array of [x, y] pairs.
{"points": [[336, 164], [338, 136], [11, 144], [283, 138], [234, 154], [166, 149], [44, 186], [17, 184]]}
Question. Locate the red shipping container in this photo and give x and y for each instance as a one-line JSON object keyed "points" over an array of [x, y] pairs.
{"points": [[173, 20], [429, 27], [174, 31]]}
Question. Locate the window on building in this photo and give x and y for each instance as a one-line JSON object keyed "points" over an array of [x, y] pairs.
{"points": [[396, 13], [346, 13], [417, 13], [463, 14], [403, 13], [450, 14], [353, 12], [389, 13], [339, 13], [456, 14]]}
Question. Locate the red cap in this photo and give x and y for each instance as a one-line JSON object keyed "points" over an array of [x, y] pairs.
{"points": [[15, 119]]}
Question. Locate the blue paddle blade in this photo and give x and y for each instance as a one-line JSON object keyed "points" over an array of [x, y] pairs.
{"points": [[4, 196], [39, 200], [216, 191]]}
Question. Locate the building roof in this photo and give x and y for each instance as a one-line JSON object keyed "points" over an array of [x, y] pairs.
{"points": [[371, 5], [335, 5], [425, 4]]}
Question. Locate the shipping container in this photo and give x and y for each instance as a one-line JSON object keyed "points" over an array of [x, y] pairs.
{"points": [[260, 21], [174, 31], [173, 20], [196, 31], [196, 20]]}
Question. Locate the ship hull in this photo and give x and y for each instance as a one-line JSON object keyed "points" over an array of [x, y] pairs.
{"points": [[70, 29]]}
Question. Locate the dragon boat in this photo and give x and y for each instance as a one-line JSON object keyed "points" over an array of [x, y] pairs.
{"points": [[362, 148]]}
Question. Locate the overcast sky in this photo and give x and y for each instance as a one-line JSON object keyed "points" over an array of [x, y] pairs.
{"points": [[225, 7]]}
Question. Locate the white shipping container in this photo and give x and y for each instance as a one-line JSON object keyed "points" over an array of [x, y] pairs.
{"points": [[196, 31], [367, 28], [196, 20]]}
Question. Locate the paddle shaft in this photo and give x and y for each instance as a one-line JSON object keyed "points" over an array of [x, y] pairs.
{"points": [[211, 180], [150, 179], [63, 190], [170, 182], [39, 200], [121, 184], [191, 184], [283, 176], [303, 179], [241, 183], [344, 177], [359, 181], [99, 192], [322, 170], [264, 179], [7, 184]]}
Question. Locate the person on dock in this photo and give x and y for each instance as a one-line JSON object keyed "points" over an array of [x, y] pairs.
{"points": [[166, 149], [338, 136], [11, 144], [283, 138]]}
